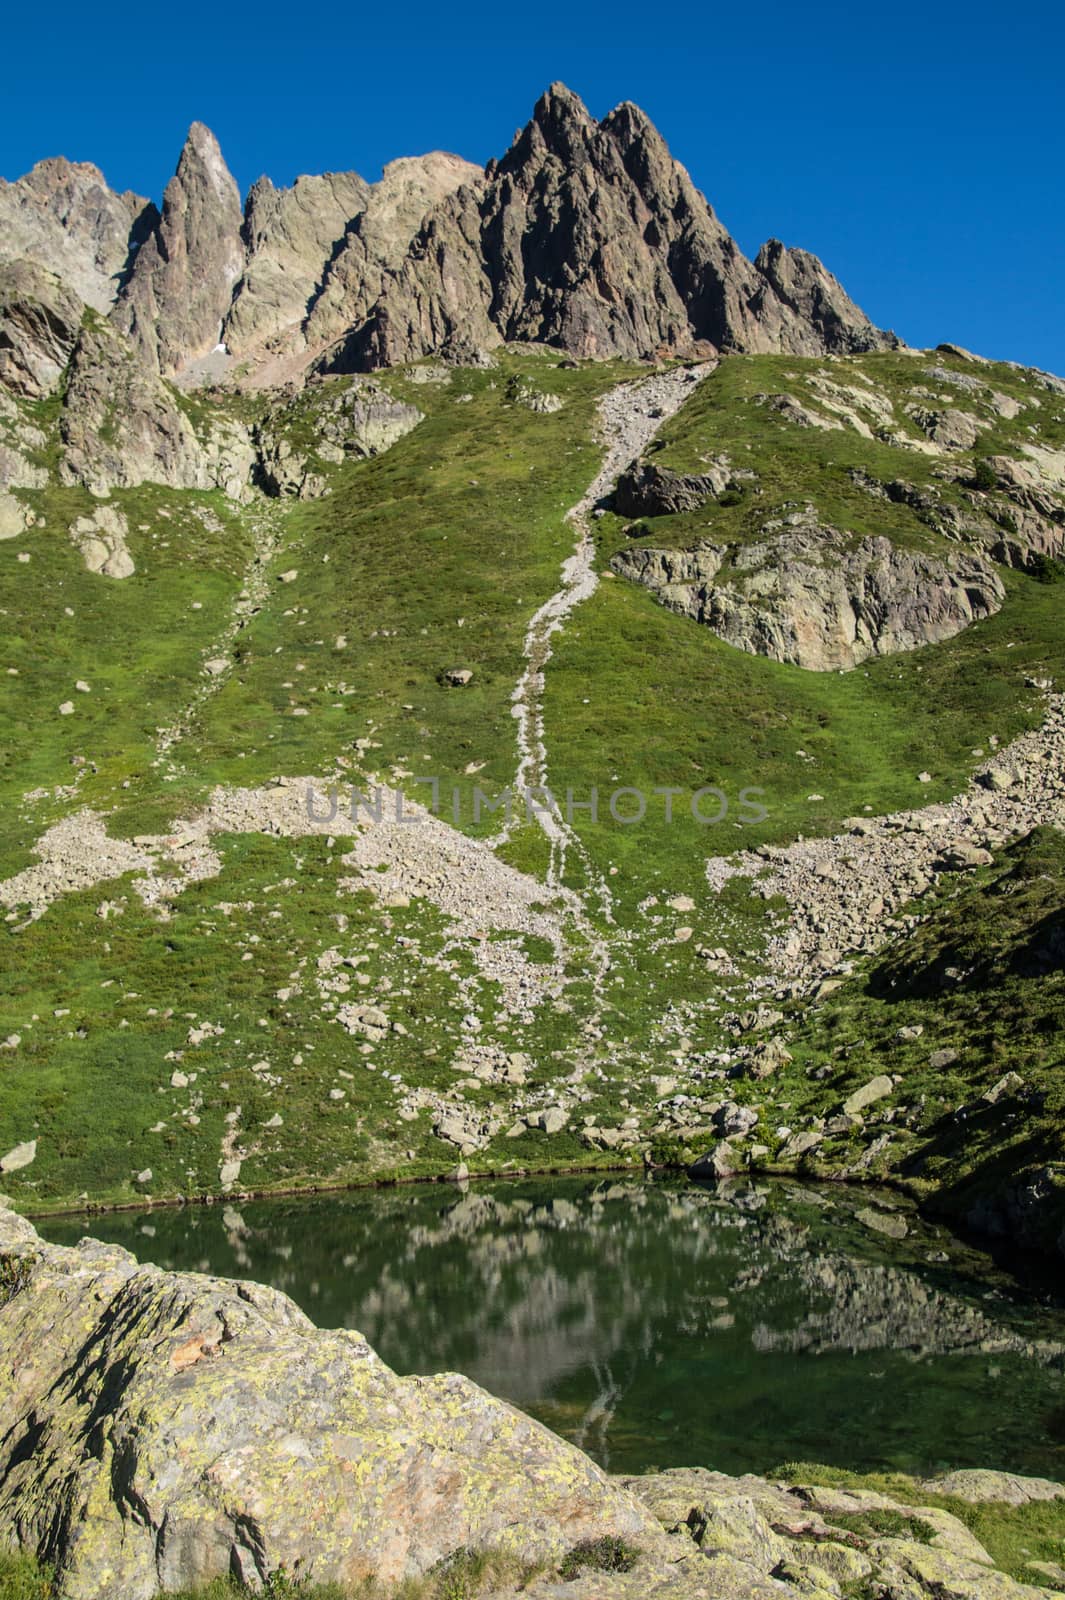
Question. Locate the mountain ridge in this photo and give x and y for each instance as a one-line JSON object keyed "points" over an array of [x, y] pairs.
{"points": [[585, 235]]}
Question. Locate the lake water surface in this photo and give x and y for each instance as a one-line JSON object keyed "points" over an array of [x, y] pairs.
{"points": [[663, 1324]]}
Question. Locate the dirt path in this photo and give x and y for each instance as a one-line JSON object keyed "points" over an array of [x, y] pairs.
{"points": [[630, 416]]}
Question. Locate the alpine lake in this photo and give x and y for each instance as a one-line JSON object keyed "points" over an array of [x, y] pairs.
{"points": [[658, 1323]]}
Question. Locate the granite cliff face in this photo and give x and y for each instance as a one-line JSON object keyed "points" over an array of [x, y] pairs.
{"points": [[808, 594], [378, 242], [290, 236], [122, 425], [39, 321], [63, 216]]}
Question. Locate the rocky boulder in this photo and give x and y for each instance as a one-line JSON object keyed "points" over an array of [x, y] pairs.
{"points": [[12, 516], [162, 1430], [101, 542], [979, 1486], [877, 1088], [648, 490], [39, 323]]}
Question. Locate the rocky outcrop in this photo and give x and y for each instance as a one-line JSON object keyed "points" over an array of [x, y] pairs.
{"points": [[362, 420], [182, 282], [764, 1540], [1031, 526], [12, 516], [377, 243], [39, 322], [20, 441], [161, 1430], [948, 428], [1019, 520], [648, 490], [814, 596], [590, 236], [121, 425], [821, 312], [290, 236], [101, 542], [63, 217]]}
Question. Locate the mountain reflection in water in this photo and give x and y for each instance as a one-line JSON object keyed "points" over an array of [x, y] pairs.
{"points": [[657, 1324]]}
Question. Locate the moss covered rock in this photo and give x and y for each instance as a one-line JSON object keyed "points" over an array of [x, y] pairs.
{"points": [[162, 1429]]}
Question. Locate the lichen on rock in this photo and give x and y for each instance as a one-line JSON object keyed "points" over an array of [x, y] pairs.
{"points": [[162, 1429]]}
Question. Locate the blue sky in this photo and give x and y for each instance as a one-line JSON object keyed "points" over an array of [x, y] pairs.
{"points": [[918, 149]]}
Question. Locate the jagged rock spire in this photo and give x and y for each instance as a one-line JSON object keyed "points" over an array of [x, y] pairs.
{"points": [[182, 280]]}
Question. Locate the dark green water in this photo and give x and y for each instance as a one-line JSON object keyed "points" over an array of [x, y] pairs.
{"points": [[667, 1325]]}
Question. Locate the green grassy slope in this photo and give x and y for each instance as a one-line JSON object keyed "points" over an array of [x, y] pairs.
{"points": [[982, 977], [430, 557]]}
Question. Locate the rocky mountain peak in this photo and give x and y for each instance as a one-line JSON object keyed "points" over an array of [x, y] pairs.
{"points": [[201, 160], [411, 186], [587, 235], [289, 237], [182, 280], [816, 300], [590, 236], [561, 124], [63, 216], [628, 125], [646, 157], [380, 239]]}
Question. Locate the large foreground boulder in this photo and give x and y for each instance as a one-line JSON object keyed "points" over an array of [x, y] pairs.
{"points": [[160, 1429]]}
